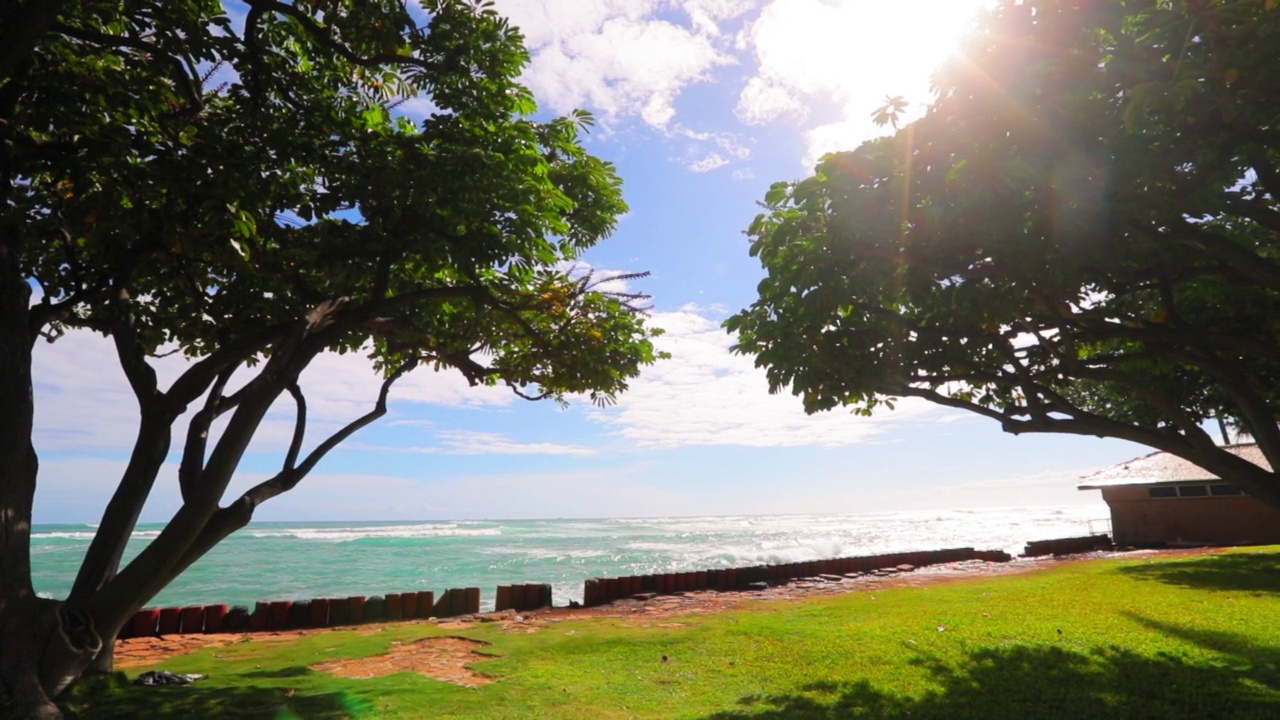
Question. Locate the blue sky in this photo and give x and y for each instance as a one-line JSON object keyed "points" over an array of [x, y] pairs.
{"points": [[701, 104]]}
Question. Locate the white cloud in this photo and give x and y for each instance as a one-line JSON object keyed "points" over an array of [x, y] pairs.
{"points": [[83, 401], [615, 57], [462, 442], [699, 158], [708, 163], [418, 108], [706, 15], [763, 101], [725, 141], [834, 137], [706, 395]]}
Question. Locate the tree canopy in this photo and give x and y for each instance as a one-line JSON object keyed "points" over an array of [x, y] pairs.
{"points": [[248, 191], [1080, 235]]}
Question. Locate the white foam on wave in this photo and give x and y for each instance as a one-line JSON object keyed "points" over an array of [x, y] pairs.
{"points": [[375, 532], [88, 535], [527, 553]]}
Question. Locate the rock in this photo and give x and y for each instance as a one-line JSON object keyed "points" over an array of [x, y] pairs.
{"points": [[905, 567], [644, 596], [758, 586], [831, 578]]}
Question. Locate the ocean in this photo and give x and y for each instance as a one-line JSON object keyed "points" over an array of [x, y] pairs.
{"points": [[282, 561]]}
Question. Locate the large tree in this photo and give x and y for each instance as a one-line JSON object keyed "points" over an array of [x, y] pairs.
{"points": [[240, 189], [1080, 235]]}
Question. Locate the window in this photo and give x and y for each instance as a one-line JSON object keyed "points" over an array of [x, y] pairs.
{"points": [[1162, 492], [1224, 490], [1193, 491]]}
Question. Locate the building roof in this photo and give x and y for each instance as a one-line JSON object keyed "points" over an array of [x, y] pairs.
{"points": [[1161, 467]]}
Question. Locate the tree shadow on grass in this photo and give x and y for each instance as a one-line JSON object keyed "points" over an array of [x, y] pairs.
{"points": [[288, 672], [1053, 682], [112, 698], [1239, 572]]}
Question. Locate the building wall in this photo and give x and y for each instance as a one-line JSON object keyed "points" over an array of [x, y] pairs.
{"points": [[1138, 519]]}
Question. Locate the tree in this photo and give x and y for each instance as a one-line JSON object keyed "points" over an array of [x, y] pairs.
{"points": [[1081, 235], [241, 191]]}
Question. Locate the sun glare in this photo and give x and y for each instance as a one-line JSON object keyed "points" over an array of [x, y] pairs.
{"points": [[834, 61]]}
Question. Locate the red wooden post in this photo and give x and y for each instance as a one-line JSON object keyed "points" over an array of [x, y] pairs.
{"points": [[213, 615], [355, 609], [320, 612], [278, 614], [426, 602], [260, 618], [193, 619], [170, 620], [408, 605], [146, 622]]}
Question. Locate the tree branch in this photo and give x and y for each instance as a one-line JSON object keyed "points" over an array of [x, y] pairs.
{"points": [[288, 478], [192, 463], [240, 512], [180, 76], [322, 36], [133, 358], [299, 428], [193, 382]]}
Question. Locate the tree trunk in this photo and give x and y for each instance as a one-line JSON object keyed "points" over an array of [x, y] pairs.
{"points": [[24, 631], [46, 646], [25, 621]]}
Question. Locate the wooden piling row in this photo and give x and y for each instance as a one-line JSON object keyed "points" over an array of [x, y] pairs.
{"points": [[598, 591], [298, 614], [357, 609], [1067, 546], [527, 596]]}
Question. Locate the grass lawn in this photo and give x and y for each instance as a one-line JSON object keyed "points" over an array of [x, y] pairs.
{"points": [[1139, 638]]}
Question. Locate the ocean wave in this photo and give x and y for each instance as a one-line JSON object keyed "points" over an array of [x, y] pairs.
{"points": [[87, 535], [375, 532]]}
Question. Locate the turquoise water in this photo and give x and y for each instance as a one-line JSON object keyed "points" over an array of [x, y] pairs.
{"points": [[273, 561]]}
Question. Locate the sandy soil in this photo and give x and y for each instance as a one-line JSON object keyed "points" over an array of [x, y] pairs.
{"points": [[447, 658]]}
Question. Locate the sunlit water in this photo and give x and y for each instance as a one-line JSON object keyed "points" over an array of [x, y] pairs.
{"points": [[303, 560]]}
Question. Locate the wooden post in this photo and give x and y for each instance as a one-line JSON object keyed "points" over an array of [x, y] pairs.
{"points": [[320, 612], [338, 612], [213, 617], [426, 602], [260, 619], [408, 605], [146, 622], [278, 614], [355, 609]]}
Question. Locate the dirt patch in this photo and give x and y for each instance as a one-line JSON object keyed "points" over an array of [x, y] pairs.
{"points": [[442, 658], [446, 658], [141, 652]]}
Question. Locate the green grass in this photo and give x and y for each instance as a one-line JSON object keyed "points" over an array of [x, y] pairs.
{"points": [[1190, 638]]}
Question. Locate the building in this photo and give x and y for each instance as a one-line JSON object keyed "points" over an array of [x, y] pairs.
{"points": [[1160, 499]]}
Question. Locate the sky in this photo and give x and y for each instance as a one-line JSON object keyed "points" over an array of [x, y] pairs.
{"points": [[701, 105]]}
